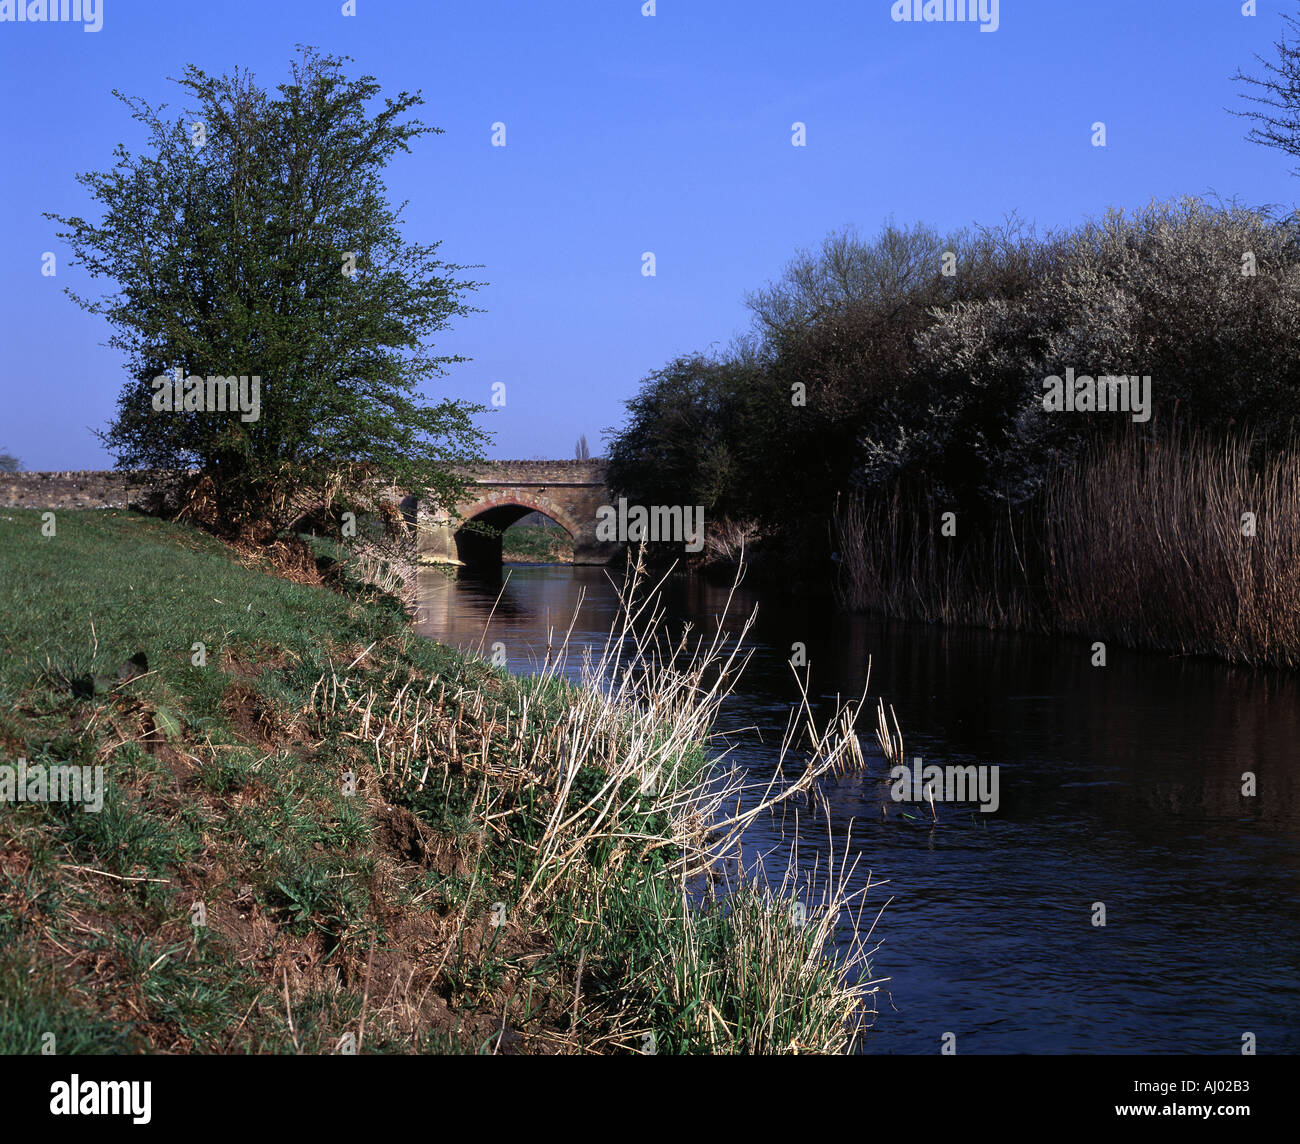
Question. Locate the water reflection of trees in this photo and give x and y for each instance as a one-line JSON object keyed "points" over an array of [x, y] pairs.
{"points": [[1167, 735]]}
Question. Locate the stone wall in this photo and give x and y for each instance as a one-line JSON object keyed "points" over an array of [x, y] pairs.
{"points": [[76, 489], [113, 489], [591, 472]]}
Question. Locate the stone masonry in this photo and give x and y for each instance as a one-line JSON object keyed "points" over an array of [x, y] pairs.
{"points": [[569, 492]]}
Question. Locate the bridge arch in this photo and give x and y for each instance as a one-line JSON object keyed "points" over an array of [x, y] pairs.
{"points": [[571, 493], [500, 509]]}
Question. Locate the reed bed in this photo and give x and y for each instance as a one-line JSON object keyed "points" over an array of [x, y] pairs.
{"points": [[1148, 542], [1145, 541], [893, 560]]}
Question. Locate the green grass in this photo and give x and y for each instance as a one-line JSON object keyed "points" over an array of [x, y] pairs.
{"points": [[536, 544], [350, 809]]}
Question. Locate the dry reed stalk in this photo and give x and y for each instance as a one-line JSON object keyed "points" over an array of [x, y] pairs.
{"points": [[891, 743], [638, 719]]}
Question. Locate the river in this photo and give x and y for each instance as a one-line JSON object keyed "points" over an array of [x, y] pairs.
{"points": [[1119, 785]]}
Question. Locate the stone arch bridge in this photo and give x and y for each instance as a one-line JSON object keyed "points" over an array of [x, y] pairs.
{"points": [[569, 492]]}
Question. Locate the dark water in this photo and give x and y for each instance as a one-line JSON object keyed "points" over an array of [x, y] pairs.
{"points": [[1119, 785]]}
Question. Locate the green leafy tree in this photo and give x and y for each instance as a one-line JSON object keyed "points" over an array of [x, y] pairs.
{"points": [[677, 446], [255, 238], [775, 430]]}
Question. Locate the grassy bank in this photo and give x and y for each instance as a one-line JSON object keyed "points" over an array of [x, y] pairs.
{"points": [[320, 831]]}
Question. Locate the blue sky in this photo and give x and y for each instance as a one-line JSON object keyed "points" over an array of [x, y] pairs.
{"points": [[624, 134]]}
